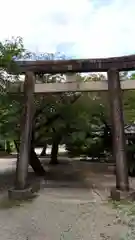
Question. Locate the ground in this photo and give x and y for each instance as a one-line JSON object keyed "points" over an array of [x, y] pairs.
{"points": [[61, 214], [72, 204]]}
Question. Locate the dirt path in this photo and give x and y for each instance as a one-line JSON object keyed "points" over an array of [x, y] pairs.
{"points": [[61, 214], [67, 207]]}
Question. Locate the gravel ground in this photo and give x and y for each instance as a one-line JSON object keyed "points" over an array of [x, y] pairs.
{"points": [[64, 210], [61, 214]]}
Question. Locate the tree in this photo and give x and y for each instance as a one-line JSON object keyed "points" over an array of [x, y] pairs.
{"points": [[71, 118], [48, 109], [129, 103], [10, 105]]}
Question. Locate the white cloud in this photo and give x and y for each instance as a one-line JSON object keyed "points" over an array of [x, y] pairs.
{"points": [[94, 29]]}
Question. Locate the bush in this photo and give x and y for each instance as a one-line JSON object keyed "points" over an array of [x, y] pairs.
{"points": [[89, 147], [131, 159]]}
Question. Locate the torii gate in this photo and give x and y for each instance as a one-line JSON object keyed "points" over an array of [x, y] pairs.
{"points": [[110, 65]]}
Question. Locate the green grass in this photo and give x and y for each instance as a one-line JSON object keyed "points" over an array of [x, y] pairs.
{"points": [[126, 214], [6, 203], [124, 206]]}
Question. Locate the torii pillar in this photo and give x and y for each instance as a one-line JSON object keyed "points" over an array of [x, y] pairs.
{"points": [[21, 190], [119, 141]]}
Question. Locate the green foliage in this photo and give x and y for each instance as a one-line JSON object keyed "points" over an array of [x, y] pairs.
{"points": [[87, 120], [10, 106], [129, 103], [9, 49], [129, 106]]}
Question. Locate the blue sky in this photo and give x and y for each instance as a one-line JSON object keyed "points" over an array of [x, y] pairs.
{"points": [[82, 28]]}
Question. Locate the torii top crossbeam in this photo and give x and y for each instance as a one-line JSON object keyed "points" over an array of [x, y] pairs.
{"points": [[124, 63]]}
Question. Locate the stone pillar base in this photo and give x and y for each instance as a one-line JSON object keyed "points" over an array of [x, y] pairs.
{"points": [[24, 194], [117, 195]]}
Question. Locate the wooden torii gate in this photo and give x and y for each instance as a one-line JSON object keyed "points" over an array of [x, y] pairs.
{"points": [[110, 65]]}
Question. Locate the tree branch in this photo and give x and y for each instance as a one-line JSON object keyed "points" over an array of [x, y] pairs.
{"points": [[53, 118]]}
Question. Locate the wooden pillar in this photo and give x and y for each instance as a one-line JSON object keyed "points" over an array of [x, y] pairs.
{"points": [[26, 132], [119, 142]]}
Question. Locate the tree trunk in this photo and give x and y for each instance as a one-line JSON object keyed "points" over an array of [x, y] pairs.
{"points": [[8, 147], [16, 146], [16, 143], [54, 152], [36, 164], [33, 161], [51, 119], [43, 153]]}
